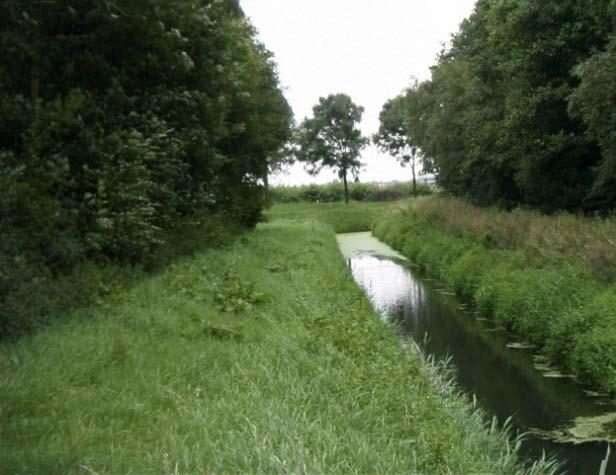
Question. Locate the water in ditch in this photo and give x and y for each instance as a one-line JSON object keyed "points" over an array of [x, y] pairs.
{"points": [[508, 378]]}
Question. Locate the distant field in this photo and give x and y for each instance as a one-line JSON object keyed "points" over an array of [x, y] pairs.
{"points": [[261, 357], [356, 216]]}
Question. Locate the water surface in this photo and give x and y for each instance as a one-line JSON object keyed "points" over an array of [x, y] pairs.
{"points": [[507, 378]]}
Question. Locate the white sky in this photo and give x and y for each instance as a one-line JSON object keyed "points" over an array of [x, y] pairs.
{"points": [[368, 49]]}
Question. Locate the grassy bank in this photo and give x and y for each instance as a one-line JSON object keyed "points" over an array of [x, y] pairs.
{"points": [[550, 279], [260, 357]]}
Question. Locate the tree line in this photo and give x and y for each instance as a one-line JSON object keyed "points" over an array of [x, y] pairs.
{"points": [[120, 117], [520, 107]]}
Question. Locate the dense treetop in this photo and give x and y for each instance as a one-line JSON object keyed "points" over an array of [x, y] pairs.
{"points": [[519, 109]]}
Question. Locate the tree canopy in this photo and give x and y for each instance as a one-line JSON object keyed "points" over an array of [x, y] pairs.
{"points": [[515, 112], [331, 138]]}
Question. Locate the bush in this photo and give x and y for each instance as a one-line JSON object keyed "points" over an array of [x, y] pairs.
{"points": [[334, 192], [115, 142], [465, 274], [531, 301], [32, 294], [587, 242]]}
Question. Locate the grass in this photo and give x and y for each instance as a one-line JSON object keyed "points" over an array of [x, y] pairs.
{"points": [[524, 270], [354, 217], [32, 296], [263, 356]]}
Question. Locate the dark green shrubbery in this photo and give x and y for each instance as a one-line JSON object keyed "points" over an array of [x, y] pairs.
{"points": [[119, 120], [523, 279], [334, 192]]}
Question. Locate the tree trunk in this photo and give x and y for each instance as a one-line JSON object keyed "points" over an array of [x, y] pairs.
{"points": [[346, 187], [414, 180], [266, 187]]}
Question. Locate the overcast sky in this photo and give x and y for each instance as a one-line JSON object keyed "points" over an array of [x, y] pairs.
{"points": [[368, 49]]}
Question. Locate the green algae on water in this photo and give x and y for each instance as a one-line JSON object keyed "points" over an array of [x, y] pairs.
{"points": [[353, 244], [584, 429]]}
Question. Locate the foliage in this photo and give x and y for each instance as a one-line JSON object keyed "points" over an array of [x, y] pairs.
{"points": [[518, 108], [588, 243], [161, 369], [594, 348], [36, 297], [395, 136], [595, 101], [120, 118], [236, 295], [331, 138], [538, 276]]}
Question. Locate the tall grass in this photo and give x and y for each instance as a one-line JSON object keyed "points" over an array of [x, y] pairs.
{"points": [[555, 239], [261, 357], [545, 278]]}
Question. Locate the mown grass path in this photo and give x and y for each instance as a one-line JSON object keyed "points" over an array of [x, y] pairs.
{"points": [[260, 357]]}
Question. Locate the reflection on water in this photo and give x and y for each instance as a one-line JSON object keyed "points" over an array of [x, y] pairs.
{"points": [[387, 284], [504, 380]]}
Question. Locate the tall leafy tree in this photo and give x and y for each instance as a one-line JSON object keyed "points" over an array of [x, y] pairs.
{"points": [[509, 117], [395, 137], [595, 102], [331, 138]]}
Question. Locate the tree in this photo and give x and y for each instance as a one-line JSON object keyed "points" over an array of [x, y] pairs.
{"points": [[395, 137], [595, 101], [331, 138], [494, 118], [119, 118]]}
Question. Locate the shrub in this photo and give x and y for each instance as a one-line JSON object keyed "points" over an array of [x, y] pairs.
{"points": [[594, 356], [592, 330], [334, 192], [465, 274], [531, 301]]}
